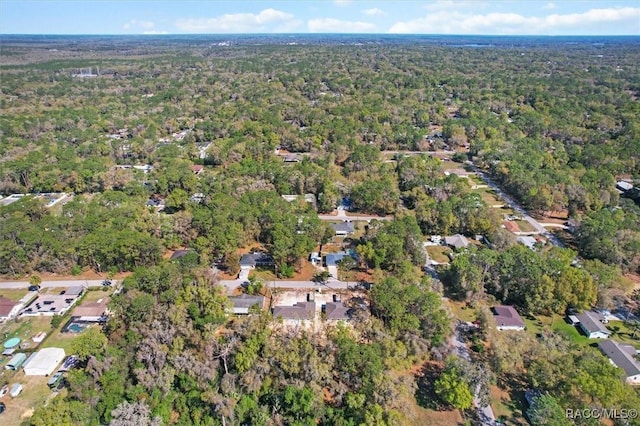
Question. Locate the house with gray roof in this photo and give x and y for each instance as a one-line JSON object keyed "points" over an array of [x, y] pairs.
{"points": [[242, 303], [343, 229], [456, 241], [298, 312], [592, 325], [624, 357], [336, 311]]}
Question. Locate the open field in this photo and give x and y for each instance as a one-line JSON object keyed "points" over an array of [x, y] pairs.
{"points": [[439, 253], [461, 311], [14, 294], [525, 226], [35, 392]]}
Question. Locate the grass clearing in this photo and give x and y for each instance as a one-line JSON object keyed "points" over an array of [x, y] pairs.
{"points": [[439, 253], [623, 332], [489, 196], [14, 294], [525, 226], [35, 392], [461, 311]]}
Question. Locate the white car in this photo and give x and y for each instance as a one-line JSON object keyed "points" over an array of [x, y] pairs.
{"points": [[4, 390]]}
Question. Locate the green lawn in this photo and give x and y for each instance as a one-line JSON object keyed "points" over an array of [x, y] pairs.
{"points": [[14, 294], [623, 331], [489, 196], [461, 311], [525, 226], [439, 253]]}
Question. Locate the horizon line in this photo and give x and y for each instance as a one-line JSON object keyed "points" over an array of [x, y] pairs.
{"points": [[322, 33]]}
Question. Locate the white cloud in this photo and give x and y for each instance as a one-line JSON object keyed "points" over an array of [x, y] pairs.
{"points": [[455, 22], [341, 2], [373, 12], [236, 22], [331, 25], [134, 24], [550, 5], [154, 32], [458, 4]]}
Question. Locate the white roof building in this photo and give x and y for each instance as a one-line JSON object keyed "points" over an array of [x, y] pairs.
{"points": [[43, 362]]}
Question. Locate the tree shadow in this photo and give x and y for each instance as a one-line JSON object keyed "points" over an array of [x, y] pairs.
{"points": [[426, 393]]}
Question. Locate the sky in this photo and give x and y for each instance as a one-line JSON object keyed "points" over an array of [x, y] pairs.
{"points": [[477, 17]]}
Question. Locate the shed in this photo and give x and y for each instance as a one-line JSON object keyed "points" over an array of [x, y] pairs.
{"points": [[44, 362], [16, 361], [16, 388]]}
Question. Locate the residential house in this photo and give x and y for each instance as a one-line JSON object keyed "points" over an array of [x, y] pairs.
{"points": [[179, 253], [529, 242], [331, 260], [593, 325], [336, 311], [624, 357], [242, 303], [624, 186], [301, 311], [8, 308], [343, 229], [461, 173], [507, 318], [249, 261], [91, 311], [456, 241], [197, 169]]}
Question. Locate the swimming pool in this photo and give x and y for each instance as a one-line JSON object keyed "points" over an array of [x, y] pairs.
{"points": [[76, 328]]}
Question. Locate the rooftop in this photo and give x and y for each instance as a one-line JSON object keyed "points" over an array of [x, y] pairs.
{"points": [[242, 303], [457, 241], [621, 355], [6, 305], [299, 311], [592, 322], [507, 316], [332, 259], [336, 311], [344, 227], [254, 259], [91, 309]]}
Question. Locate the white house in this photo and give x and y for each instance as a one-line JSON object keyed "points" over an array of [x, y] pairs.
{"points": [[623, 357], [8, 308], [593, 325], [507, 318]]}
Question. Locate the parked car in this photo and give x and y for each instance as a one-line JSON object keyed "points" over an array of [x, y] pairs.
{"points": [[4, 390], [2, 407], [34, 288]]}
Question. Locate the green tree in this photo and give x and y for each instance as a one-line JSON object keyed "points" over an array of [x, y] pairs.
{"points": [[452, 388]]}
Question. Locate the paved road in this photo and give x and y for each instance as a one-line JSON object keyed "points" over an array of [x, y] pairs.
{"points": [[331, 284], [359, 217], [52, 284], [539, 229]]}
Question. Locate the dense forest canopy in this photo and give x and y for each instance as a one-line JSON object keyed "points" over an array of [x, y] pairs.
{"points": [[216, 130]]}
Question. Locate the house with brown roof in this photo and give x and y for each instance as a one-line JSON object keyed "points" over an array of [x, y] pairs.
{"points": [[91, 311], [507, 318], [8, 308], [197, 169]]}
